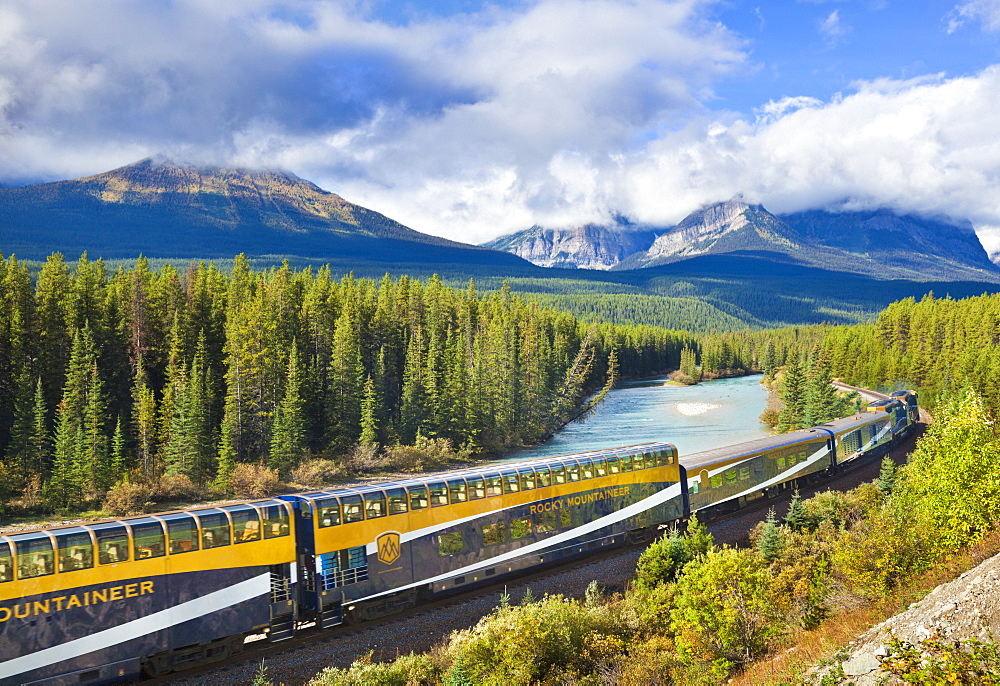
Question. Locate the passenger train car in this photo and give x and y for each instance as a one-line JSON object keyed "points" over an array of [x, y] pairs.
{"points": [[102, 602]]}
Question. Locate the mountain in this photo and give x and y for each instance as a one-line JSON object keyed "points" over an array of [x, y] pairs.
{"points": [[877, 243], [591, 246], [162, 209], [721, 228]]}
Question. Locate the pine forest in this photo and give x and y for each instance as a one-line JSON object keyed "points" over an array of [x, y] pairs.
{"points": [[109, 377]]}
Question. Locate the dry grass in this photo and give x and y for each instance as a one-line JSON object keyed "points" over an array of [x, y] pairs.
{"points": [[810, 648]]}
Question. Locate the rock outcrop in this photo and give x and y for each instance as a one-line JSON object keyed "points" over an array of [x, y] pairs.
{"points": [[967, 607], [591, 246]]}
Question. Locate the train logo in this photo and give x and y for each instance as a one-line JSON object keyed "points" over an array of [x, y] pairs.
{"points": [[388, 547]]}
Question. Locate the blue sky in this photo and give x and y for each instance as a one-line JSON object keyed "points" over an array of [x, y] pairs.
{"points": [[470, 119]]}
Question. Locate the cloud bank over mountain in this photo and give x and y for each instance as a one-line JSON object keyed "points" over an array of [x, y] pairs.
{"points": [[471, 121]]}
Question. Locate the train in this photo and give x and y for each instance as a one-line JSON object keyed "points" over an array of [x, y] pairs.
{"points": [[147, 595]]}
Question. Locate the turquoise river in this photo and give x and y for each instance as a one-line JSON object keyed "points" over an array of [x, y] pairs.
{"points": [[693, 418]]}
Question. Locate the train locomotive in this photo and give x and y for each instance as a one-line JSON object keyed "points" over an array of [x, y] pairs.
{"points": [[115, 600]]}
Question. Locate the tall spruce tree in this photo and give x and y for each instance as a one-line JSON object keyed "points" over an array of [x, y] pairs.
{"points": [[288, 435]]}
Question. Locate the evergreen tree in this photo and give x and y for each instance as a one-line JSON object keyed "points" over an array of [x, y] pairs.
{"points": [[793, 395], [887, 476], [288, 437], [369, 413], [821, 400], [796, 518], [770, 543]]}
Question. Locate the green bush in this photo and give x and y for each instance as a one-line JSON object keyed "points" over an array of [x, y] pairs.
{"points": [[555, 638], [413, 669], [936, 661], [726, 610]]}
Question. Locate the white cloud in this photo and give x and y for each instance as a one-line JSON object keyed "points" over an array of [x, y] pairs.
{"points": [[929, 146], [554, 112], [833, 29], [985, 11]]}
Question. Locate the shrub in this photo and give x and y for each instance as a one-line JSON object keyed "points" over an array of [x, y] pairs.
{"points": [[129, 497], [314, 473], [405, 670], [178, 487], [364, 458], [553, 639], [254, 481], [726, 610], [936, 661]]}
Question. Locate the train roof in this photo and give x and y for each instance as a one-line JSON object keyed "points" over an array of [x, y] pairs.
{"points": [[98, 524], [726, 453], [495, 468]]}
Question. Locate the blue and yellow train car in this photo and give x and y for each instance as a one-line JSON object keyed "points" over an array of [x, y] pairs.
{"points": [[861, 435], [112, 600], [726, 478], [379, 547]]}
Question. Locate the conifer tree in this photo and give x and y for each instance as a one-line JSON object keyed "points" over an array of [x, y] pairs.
{"points": [[288, 436], [796, 518], [821, 400], [369, 413], [887, 476], [770, 543], [793, 390]]}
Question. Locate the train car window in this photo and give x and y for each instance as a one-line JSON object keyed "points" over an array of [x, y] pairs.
{"points": [[731, 476], [546, 522], [716, 481], [374, 505], [148, 540], [182, 534], [76, 551], [573, 472], [613, 466], [246, 524], [353, 511], [744, 473], [781, 463], [329, 512], [519, 528], [494, 485], [275, 521], [214, 529], [112, 545], [586, 468], [694, 485], [558, 475], [451, 544], [510, 482], [418, 497], [34, 557], [397, 501], [438, 493], [494, 533], [477, 487], [6, 563], [543, 476], [527, 478], [600, 466], [457, 491], [565, 517], [626, 462]]}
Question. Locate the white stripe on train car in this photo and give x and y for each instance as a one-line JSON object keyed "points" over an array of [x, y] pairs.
{"points": [[815, 457], [658, 498], [164, 619]]}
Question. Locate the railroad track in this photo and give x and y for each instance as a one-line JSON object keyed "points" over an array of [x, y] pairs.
{"points": [[296, 660]]}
